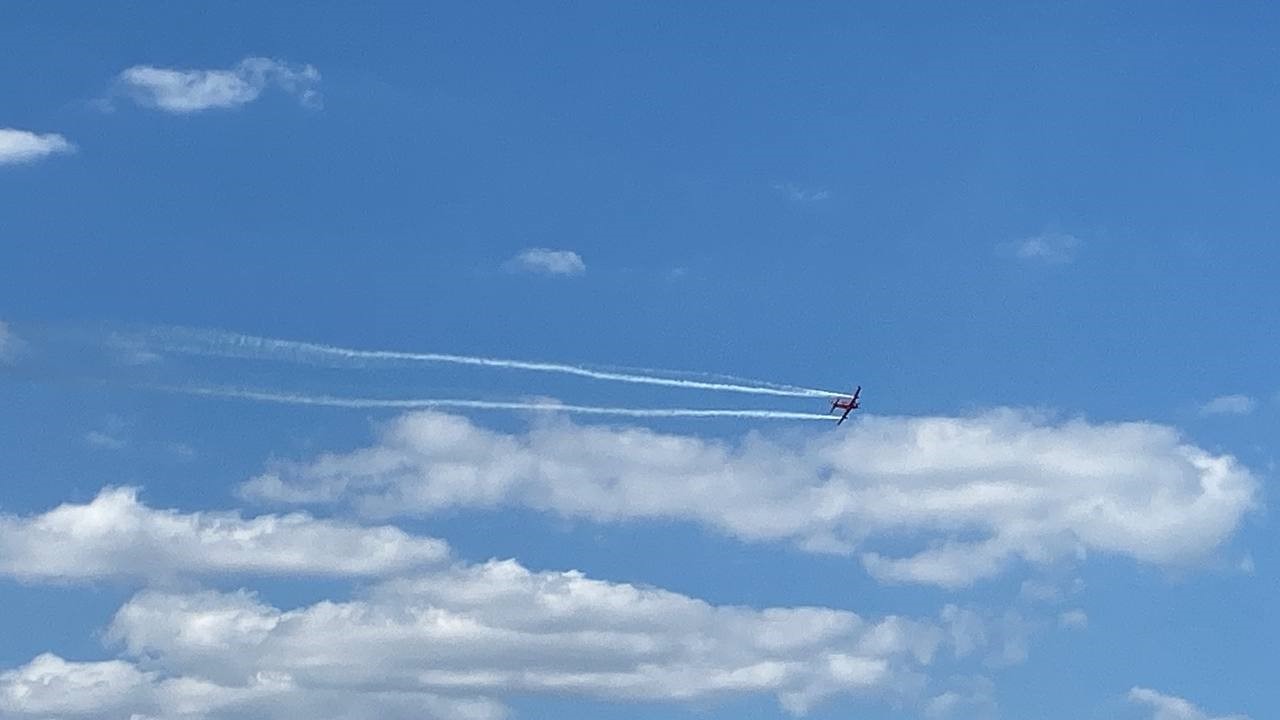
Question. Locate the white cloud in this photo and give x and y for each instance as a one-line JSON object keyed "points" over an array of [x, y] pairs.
{"points": [[52, 686], [799, 194], [450, 641], [1167, 707], [954, 563], [497, 628], [1229, 405], [116, 536], [973, 493], [1073, 619], [547, 262], [1050, 248], [188, 91], [21, 146]]}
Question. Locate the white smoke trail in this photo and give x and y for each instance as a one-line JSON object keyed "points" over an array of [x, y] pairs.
{"points": [[448, 403], [204, 342], [719, 377]]}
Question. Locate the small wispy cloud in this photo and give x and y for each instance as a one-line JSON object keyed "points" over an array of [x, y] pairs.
{"points": [[183, 91], [1168, 707], [800, 194], [130, 351], [1073, 620], [111, 436], [547, 262], [10, 344], [1047, 248], [104, 440], [1039, 591], [1229, 405], [1247, 565], [976, 699], [23, 146]]}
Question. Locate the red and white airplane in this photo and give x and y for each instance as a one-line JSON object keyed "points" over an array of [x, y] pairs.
{"points": [[847, 405]]}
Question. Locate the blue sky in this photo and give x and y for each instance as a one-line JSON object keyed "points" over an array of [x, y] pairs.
{"points": [[1039, 237]]}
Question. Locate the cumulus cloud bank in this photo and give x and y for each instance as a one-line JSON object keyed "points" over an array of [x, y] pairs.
{"points": [[22, 146], [452, 641], [973, 493], [432, 639], [115, 536], [500, 628], [184, 91]]}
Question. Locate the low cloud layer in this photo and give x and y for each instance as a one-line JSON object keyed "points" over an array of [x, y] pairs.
{"points": [[115, 536], [23, 146], [500, 628], [183, 91], [973, 494], [453, 642]]}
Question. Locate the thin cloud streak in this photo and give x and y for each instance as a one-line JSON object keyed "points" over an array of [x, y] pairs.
{"points": [[184, 91], [212, 343], [800, 194], [1047, 248]]}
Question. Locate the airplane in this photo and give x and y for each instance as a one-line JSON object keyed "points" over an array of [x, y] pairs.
{"points": [[847, 405]]}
